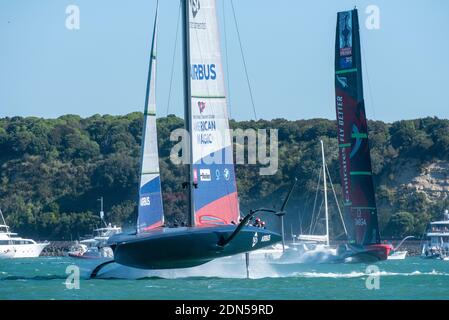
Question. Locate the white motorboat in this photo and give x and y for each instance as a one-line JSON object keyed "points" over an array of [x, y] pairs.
{"points": [[397, 255], [438, 244], [96, 247], [12, 246]]}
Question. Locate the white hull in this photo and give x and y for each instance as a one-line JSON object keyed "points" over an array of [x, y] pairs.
{"points": [[22, 250], [398, 255], [93, 253]]}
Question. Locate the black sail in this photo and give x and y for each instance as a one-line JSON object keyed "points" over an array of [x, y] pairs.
{"points": [[354, 153]]}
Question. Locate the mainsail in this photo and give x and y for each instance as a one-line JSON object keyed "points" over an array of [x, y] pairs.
{"points": [[215, 200], [151, 213], [354, 152]]}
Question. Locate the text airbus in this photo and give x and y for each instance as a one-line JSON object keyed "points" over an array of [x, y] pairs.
{"points": [[203, 72]]}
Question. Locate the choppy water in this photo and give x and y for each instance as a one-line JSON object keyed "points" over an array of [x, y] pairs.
{"points": [[45, 278]]}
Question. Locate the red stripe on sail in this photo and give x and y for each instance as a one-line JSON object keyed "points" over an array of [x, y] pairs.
{"points": [[153, 226], [219, 212]]}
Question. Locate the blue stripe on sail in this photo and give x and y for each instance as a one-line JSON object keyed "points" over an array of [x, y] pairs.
{"points": [[214, 181], [150, 204]]}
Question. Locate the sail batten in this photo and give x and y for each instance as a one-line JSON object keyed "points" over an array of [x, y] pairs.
{"points": [[354, 153], [150, 207]]}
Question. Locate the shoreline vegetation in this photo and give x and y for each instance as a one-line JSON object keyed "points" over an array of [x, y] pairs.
{"points": [[53, 171]]}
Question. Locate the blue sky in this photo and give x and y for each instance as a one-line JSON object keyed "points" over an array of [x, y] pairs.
{"points": [[47, 70]]}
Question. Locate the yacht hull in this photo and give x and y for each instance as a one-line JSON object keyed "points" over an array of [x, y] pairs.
{"points": [[169, 248], [21, 250], [365, 254]]}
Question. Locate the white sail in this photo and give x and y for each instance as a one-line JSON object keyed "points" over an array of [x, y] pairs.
{"points": [[215, 198], [151, 212]]}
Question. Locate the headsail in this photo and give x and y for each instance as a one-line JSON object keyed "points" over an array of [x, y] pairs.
{"points": [[215, 199], [151, 213], [354, 152]]}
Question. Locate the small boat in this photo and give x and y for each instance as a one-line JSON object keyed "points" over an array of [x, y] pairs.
{"points": [[312, 247], [96, 247], [82, 251], [438, 244], [12, 246], [397, 255]]}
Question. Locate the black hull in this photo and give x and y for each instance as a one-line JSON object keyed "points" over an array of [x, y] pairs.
{"points": [[171, 248], [363, 254]]}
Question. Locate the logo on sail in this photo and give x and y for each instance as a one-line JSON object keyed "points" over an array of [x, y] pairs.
{"points": [[205, 175], [226, 174], [145, 201], [201, 106], [195, 4], [217, 174], [343, 81], [358, 141], [345, 26], [203, 72]]}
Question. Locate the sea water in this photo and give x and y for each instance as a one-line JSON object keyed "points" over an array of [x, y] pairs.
{"points": [[57, 278]]}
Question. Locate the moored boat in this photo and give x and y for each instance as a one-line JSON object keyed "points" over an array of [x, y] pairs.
{"points": [[437, 245], [12, 246], [96, 247]]}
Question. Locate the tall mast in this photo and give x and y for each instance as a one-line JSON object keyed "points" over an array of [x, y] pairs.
{"points": [[3, 218], [101, 211], [325, 193], [187, 108]]}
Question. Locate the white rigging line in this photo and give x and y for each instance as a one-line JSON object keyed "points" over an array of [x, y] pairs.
{"points": [[173, 60], [244, 61], [317, 216], [336, 201], [314, 203], [227, 60], [362, 45]]}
